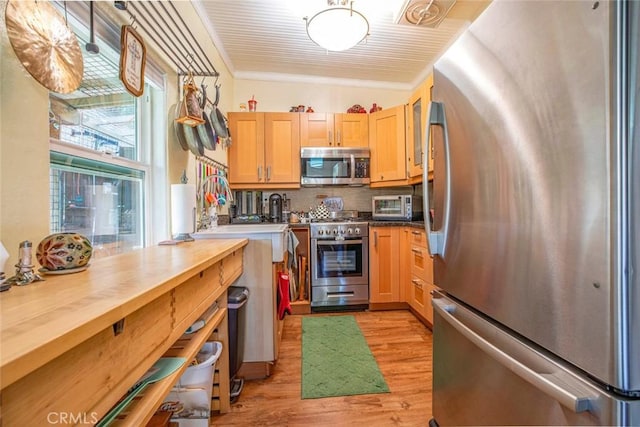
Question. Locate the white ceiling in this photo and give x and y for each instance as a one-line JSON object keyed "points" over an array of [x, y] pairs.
{"points": [[261, 39]]}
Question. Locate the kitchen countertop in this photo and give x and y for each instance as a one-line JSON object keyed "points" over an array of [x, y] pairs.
{"points": [[413, 224], [43, 320], [372, 223]]}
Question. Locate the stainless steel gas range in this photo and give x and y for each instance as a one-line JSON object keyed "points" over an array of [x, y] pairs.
{"points": [[339, 265]]}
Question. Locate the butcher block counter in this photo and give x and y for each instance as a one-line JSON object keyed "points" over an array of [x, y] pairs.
{"points": [[72, 345]]}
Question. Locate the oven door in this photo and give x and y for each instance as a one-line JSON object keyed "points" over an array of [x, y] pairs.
{"points": [[340, 262]]}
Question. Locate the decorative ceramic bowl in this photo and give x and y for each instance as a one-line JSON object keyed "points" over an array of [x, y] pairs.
{"points": [[64, 251]]}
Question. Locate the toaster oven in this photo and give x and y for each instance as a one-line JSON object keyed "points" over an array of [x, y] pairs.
{"points": [[403, 207]]}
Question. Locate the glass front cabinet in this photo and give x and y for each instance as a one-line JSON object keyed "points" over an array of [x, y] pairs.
{"points": [[417, 118]]}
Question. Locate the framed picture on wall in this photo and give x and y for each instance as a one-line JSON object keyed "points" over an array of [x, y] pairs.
{"points": [[133, 56]]}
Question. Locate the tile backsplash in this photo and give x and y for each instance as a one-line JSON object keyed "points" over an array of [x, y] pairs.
{"points": [[354, 198]]}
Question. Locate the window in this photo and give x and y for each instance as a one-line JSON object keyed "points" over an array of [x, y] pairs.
{"points": [[101, 152]]}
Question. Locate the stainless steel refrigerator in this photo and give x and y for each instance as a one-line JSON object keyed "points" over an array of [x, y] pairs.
{"points": [[536, 198]]}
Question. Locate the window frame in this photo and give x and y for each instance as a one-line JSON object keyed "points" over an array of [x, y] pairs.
{"points": [[150, 129]]}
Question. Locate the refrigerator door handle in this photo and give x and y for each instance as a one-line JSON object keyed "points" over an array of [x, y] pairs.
{"points": [[436, 239], [559, 385]]}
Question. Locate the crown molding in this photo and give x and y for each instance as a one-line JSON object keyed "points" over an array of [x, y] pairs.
{"points": [[299, 78]]}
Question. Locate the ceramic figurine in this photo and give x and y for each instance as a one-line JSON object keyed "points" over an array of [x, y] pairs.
{"points": [[64, 251]]}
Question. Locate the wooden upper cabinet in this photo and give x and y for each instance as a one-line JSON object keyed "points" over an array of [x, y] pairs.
{"points": [[316, 130], [246, 154], [266, 150], [416, 122], [352, 130], [334, 130], [387, 144], [282, 148], [429, 91]]}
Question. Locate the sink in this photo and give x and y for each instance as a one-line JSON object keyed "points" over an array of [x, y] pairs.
{"points": [[274, 232]]}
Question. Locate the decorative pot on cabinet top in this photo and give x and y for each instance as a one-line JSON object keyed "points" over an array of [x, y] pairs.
{"points": [[64, 251]]}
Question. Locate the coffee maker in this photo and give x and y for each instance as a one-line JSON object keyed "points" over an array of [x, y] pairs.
{"points": [[275, 208]]}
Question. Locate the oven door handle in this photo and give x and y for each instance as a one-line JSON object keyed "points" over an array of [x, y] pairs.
{"points": [[338, 242]]}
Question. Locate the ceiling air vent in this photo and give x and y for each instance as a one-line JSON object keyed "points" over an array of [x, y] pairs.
{"points": [[424, 13]]}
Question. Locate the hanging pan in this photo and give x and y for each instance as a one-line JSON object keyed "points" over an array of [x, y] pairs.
{"points": [[177, 128], [217, 118], [206, 133], [193, 141]]}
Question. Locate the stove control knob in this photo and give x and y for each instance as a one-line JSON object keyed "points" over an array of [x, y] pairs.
{"points": [[341, 230], [320, 232], [335, 231], [357, 230], [349, 231]]}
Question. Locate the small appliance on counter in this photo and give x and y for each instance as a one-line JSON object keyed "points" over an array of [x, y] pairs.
{"points": [[286, 208], [404, 207], [247, 207], [275, 208]]}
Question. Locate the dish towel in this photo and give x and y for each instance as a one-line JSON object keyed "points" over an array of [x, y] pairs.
{"points": [[292, 244], [284, 303]]}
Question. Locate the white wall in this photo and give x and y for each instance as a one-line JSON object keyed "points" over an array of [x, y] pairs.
{"points": [[324, 96], [24, 154]]}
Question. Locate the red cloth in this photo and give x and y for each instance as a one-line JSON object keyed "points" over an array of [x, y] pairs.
{"points": [[284, 304]]}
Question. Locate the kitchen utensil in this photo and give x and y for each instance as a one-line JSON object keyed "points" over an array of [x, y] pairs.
{"points": [[321, 211], [193, 142], [164, 367], [275, 208], [177, 128], [217, 118], [44, 44], [206, 133]]}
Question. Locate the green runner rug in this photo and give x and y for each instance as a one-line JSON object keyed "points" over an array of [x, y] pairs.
{"points": [[336, 360]]}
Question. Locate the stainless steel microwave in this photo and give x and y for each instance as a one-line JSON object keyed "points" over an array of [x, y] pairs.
{"points": [[399, 207], [334, 166]]}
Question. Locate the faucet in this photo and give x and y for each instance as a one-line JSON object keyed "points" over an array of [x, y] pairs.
{"points": [[210, 219]]}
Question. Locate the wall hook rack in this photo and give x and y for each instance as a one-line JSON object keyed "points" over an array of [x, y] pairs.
{"points": [[161, 23]]}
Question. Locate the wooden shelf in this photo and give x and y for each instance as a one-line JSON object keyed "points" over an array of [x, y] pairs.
{"points": [[142, 408]]}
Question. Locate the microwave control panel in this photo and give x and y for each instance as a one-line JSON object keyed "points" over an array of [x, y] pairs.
{"points": [[361, 168]]}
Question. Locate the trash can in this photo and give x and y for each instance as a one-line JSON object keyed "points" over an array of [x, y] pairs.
{"points": [[237, 298], [190, 397]]}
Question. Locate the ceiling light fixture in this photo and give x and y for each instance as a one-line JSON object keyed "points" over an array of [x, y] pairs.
{"points": [[338, 27]]}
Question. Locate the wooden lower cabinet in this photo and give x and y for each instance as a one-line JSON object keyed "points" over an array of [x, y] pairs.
{"points": [[82, 378], [384, 264], [420, 282]]}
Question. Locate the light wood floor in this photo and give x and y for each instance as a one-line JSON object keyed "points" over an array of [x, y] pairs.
{"points": [[402, 348]]}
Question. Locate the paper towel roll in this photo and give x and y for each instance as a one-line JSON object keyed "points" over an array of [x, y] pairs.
{"points": [[183, 205]]}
